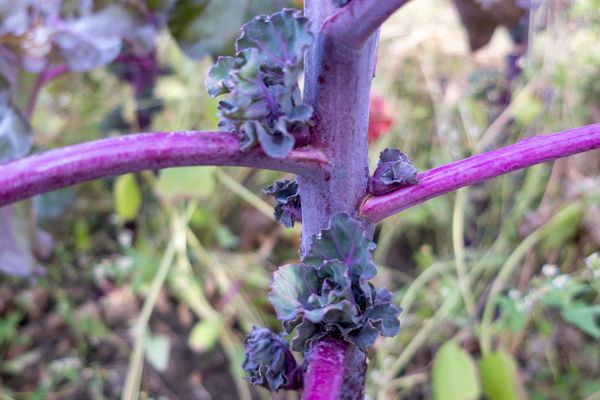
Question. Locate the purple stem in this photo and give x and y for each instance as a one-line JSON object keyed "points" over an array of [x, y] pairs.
{"points": [[114, 156], [475, 169], [355, 23], [337, 85], [335, 371]]}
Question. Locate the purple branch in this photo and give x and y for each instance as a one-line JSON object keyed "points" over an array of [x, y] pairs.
{"points": [[114, 156], [336, 370], [355, 23], [475, 169]]}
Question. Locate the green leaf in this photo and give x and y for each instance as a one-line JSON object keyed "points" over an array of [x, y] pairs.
{"points": [[186, 183], [320, 300], [584, 317], [281, 40], [205, 335], [384, 315], [345, 241], [205, 27], [498, 373], [290, 288], [127, 197], [158, 350], [454, 376], [264, 104], [216, 83]]}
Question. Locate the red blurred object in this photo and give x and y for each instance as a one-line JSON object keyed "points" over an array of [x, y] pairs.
{"points": [[380, 118]]}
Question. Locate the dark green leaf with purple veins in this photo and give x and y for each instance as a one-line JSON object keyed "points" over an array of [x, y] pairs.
{"points": [[345, 241], [287, 202], [264, 104], [280, 40], [326, 299], [291, 287], [269, 362], [394, 171]]}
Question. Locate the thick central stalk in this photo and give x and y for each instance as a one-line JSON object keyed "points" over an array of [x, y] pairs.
{"points": [[337, 84]]}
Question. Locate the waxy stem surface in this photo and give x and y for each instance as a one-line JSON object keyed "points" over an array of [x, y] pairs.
{"points": [[481, 167], [335, 370], [70, 165]]}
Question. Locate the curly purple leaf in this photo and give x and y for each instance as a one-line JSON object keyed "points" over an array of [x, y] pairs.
{"points": [[269, 362]]}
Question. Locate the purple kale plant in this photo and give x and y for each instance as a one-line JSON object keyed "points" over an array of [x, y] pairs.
{"points": [[319, 134]]}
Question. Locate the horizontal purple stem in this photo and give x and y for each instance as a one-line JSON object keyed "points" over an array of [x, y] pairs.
{"points": [[354, 24], [475, 169], [132, 153], [336, 371]]}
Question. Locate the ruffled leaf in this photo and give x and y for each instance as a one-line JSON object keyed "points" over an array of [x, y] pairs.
{"points": [[269, 362], [345, 241], [290, 289], [394, 171], [315, 301], [306, 334], [264, 105], [383, 314], [276, 143], [281, 40], [216, 83], [287, 202]]}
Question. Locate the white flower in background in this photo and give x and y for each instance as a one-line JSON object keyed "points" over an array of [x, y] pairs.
{"points": [[550, 270], [561, 281]]}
